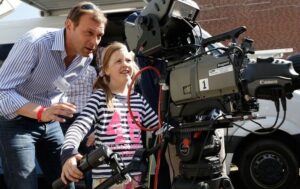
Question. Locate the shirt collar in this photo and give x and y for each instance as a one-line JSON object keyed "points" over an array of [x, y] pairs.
{"points": [[59, 40], [59, 43]]}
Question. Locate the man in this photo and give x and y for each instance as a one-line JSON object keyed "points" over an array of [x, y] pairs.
{"points": [[38, 71]]}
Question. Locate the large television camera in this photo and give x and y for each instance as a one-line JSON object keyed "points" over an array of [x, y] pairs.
{"points": [[199, 77], [198, 80]]}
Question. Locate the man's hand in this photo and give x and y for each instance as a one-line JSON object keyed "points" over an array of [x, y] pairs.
{"points": [[58, 112]]}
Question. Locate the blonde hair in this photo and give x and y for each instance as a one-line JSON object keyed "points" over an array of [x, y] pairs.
{"points": [[103, 80], [86, 7]]}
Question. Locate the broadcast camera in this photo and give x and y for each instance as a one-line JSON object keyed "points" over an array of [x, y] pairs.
{"points": [[196, 81]]}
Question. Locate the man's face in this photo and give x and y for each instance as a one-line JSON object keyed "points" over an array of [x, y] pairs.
{"points": [[86, 36]]}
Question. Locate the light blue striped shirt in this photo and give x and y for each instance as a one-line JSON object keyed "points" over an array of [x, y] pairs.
{"points": [[81, 89], [33, 64]]}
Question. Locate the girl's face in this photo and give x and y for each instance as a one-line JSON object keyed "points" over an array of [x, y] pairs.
{"points": [[120, 67]]}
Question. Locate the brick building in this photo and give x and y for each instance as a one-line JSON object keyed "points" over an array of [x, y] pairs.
{"points": [[272, 24]]}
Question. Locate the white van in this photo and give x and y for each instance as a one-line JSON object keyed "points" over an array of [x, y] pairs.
{"points": [[268, 161]]}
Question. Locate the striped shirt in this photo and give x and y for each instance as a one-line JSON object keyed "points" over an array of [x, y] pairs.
{"points": [[81, 89], [33, 64], [113, 128]]}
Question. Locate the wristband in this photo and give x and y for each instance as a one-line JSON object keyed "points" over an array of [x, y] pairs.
{"points": [[39, 113]]}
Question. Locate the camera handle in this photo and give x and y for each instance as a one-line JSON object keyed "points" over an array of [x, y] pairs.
{"points": [[137, 164], [233, 35]]}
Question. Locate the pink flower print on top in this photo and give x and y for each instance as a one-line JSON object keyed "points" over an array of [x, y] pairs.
{"points": [[115, 128], [133, 127]]}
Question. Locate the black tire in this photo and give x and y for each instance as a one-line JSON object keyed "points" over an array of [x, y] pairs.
{"points": [[268, 164]]}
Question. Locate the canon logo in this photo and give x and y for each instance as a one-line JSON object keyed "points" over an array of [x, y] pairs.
{"points": [[268, 82]]}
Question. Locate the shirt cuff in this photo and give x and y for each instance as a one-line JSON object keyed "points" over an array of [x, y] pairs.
{"points": [[66, 154], [10, 103]]}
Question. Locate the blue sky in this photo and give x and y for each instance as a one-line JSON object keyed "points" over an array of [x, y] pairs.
{"points": [[23, 11]]}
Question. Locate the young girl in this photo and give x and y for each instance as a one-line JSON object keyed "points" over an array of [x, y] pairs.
{"points": [[107, 110]]}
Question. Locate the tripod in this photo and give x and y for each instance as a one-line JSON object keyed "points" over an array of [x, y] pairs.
{"points": [[198, 149]]}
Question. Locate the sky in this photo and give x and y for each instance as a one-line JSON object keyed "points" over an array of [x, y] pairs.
{"points": [[23, 11]]}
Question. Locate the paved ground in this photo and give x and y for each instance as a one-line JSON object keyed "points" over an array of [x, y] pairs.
{"points": [[235, 180], [238, 185]]}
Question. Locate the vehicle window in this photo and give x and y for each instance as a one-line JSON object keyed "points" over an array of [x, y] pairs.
{"points": [[4, 50]]}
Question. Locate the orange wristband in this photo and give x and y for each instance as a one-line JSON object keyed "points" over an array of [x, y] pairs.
{"points": [[39, 113]]}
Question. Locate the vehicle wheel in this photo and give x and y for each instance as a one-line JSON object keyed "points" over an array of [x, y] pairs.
{"points": [[268, 164]]}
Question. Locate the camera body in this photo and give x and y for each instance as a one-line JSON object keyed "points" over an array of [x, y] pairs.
{"points": [[198, 80]]}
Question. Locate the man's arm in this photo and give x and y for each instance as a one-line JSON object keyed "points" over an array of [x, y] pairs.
{"points": [[17, 68], [14, 71], [55, 112]]}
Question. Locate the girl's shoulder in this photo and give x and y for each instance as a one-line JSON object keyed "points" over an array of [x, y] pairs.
{"points": [[136, 94], [99, 92]]}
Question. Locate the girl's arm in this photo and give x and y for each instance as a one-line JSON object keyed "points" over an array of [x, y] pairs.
{"points": [[81, 126], [149, 118]]}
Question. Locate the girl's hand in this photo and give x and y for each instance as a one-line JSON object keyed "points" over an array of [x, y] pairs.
{"points": [[70, 172]]}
